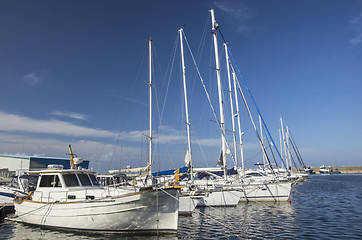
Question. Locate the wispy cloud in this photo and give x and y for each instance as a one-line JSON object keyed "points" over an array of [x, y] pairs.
{"points": [[237, 12], [355, 25], [134, 101], [100, 154], [12, 122], [210, 142], [32, 78], [73, 115]]}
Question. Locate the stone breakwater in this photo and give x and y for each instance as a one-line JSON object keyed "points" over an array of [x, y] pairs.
{"points": [[342, 169]]}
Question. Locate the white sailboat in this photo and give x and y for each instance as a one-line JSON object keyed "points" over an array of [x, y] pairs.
{"points": [[73, 200], [265, 190]]}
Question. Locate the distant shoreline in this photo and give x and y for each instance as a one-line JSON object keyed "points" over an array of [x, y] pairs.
{"points": [[342, 169]]}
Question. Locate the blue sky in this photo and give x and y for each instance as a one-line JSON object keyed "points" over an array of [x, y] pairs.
{"points": [[75, 72]]}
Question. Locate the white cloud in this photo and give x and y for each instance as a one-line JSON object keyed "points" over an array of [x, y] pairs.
{"points": [[17, 123], [356, 40], [98, 153], [31, 78], [211, 142], [237, 12], [355, 25], [12, 122], [73, 115], [139, 102]]}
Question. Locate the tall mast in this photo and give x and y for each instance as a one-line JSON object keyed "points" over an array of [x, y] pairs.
{"points": [[284, 145], [262, 140], [289, 153], [231, 105], [215, 26], [188, 154], [280, 141], [239, 126], [150, 108]]}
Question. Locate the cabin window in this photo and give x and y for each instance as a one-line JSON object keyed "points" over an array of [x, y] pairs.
{"points": [[56, 182], [84, 179], [71, 180], [94, 180]]}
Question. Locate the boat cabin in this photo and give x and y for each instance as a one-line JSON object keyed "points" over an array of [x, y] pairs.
{"points": [[57, 184]]}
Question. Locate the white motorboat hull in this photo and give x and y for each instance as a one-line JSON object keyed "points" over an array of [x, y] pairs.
{"points": [[6, 196], [149, 211]]}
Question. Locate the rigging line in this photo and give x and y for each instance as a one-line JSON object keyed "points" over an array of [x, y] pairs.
{"points": [[199, 53], [160, 115], [299, 160], [173, 56], [251, 118], [127, 108], [32, 211], [202, 152], [295, 164], [298, 153], [252, 98], [193, 74], [208, 97], [271, 150]]}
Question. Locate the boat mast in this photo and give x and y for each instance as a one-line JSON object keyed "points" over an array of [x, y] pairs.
{"points": [[239, 126], [285, 148], [215, 26], [188, 154], [72, 164], [150, 108], [280, 141], [262, 141], [231, 105], [289, 152]]}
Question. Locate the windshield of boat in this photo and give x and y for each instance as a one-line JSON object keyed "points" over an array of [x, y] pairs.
{"points": [[84, 179], [94, 180], [50, 181], [71, 180]]}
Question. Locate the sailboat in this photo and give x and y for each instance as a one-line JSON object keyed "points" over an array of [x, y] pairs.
{"points": [[237, 185]]}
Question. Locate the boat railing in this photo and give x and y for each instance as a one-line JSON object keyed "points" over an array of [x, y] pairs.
{"points": [[71, 195]]}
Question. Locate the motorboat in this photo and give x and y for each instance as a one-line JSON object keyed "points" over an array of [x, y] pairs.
{"points": [[19, 185], [72, 199], [325, 170]]}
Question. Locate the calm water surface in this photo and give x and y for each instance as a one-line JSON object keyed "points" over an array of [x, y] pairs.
{"points": [[323, 207]]}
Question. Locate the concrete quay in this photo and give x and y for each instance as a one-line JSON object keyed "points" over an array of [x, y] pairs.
{"points": [[342, 169]]}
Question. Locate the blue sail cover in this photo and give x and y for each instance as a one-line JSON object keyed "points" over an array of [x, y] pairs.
{"points": [[170, 172]]}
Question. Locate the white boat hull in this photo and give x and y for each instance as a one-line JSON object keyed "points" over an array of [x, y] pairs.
{"points": [[149, 211], [187, 204], [267, 192], [220, 198]]}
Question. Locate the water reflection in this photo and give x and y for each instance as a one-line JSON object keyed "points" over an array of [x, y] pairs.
{"points": [[247, 220], [324, 207], [21, 231]]}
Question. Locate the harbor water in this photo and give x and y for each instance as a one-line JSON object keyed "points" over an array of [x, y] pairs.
{"points": [[323, 207]]}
